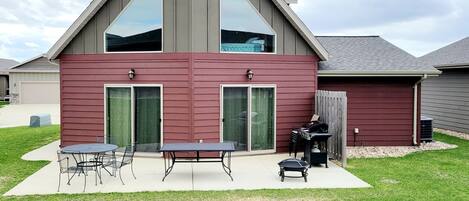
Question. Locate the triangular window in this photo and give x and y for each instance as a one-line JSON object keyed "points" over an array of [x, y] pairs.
{"points": [[243, 29], [138, 27]]}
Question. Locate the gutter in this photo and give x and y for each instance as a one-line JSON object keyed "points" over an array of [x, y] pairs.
{"points": [[416, 104], [403, 73]]}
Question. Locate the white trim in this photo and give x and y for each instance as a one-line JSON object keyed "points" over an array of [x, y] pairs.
{"points": [[249, 87], [95, 5], [343, 73], [75, 28], [302, 29], [265, 22], [132, 105], [118, 16], [20, 83], [34, 71]]}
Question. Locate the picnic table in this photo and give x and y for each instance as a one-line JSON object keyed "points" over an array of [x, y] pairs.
{"points": [[172, 154]]}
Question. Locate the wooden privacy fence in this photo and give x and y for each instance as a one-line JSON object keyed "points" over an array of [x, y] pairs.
{"points": [[332, 108]]}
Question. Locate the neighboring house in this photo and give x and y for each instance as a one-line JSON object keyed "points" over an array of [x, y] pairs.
{"points": [[382, 85], [35, 81], [446, 98], [5, 64], [148, 72]]}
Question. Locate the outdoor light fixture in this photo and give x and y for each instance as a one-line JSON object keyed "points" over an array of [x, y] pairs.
{"points": [[132, 74], [250, 74]]}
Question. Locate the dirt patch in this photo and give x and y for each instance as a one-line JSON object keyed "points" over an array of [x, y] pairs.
{"points": [[460, 135], [396, 151]]}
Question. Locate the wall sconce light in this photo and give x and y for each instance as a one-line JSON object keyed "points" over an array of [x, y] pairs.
{"points": [[132, 74], [250, 74]]}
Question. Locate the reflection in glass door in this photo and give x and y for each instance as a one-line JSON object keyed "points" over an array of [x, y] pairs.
{"points": [[147, 119], [249, 117], [262, 119], [118, 119], [235, 116]]}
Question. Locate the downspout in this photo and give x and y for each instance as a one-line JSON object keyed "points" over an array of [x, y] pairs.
{"points": [[416, 104]]}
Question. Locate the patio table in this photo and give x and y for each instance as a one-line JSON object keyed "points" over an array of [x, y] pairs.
{"points": [[80, 153], [223, 149]]}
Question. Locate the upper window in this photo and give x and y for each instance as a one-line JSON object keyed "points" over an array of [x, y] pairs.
{"points": [[138, 28], [243, 29]]}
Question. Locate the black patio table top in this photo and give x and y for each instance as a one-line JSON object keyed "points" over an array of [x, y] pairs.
{"points": [[89, 148], [170, 157], [198, 147]]}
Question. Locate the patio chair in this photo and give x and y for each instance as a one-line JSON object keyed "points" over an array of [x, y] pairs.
{"points": [[127, 159], [67, 165], [107, 158]]}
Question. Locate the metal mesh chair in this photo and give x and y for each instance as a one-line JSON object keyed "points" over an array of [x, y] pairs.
{"points": [[67, 165], [127, 159], [107, 158]]}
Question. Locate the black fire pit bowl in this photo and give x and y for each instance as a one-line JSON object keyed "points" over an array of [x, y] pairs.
{"points": [[293, 165]]}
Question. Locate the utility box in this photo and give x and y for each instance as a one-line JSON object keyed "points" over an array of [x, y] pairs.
{"points": [[40, 120], [426, 129]]}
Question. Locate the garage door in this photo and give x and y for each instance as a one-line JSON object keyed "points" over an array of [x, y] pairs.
{"points": [[39, 93]]}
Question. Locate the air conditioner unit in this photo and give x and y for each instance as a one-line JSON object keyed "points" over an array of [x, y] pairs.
{"points": [[426, 129]]}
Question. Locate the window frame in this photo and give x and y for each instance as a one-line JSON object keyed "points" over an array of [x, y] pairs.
{"points": [[263, 19], [126, 52]]}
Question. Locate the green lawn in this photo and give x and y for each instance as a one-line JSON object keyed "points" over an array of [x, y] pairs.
{"points": [[435, 175], [3, 103]]}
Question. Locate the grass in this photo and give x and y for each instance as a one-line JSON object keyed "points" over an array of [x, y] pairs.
{"points": [[3, 103], [433, 175]]}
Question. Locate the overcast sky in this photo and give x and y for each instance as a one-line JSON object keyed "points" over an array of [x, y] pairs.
{"points": [[30, 27]]}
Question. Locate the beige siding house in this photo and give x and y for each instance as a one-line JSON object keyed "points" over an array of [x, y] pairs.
{"points": [[35, 81], [5, 64]]}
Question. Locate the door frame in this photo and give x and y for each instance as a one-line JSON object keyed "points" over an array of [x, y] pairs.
{"points": [[132, 108], [249, 123]]}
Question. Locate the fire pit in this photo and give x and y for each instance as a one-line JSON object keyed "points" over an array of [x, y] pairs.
{"points": [[293, 165]]}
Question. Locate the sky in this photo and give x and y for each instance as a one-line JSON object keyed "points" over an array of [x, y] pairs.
{"points": [[30, 27]]}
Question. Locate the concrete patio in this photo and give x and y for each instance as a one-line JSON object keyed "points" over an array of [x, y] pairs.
{"points": [[249, 173]]}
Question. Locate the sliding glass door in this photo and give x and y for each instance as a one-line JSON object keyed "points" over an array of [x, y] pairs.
{"points": [[147, 118], [235, 117], [262, 119], [249, 117], [118, 118], [133, 117]]}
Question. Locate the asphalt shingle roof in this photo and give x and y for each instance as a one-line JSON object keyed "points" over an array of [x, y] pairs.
{"points": [[456, 53], [368, 54], [5, 64]]}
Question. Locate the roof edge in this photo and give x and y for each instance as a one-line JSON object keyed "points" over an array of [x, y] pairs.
{"points": [[29, 61], [34, 71], [344, 73], [304, 31], [95, 5], [75, 28], [452, 66]]}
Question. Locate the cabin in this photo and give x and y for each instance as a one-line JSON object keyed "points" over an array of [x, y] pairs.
{"points": [[148, 72]]}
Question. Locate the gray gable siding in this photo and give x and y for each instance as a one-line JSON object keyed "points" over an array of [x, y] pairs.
{"points": [[446, 99], [189, 26], [38, 64]]}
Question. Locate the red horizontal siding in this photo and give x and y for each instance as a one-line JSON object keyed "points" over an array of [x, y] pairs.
{"points": [[191, 85], [382, 108]]}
